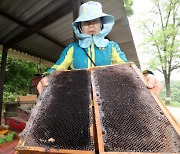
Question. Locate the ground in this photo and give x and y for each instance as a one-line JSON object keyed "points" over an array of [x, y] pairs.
{"points": [[175, 111]]}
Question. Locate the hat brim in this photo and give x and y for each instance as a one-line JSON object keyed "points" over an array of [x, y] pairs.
{"points": [[92, 17]]}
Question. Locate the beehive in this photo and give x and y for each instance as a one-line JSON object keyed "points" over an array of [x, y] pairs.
{"points": [[128, 117], [62, 119]]}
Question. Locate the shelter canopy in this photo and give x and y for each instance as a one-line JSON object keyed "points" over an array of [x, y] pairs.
{"points": [[42, 28]]}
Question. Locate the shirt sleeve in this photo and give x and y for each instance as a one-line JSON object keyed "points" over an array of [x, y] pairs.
{"points": [[117, 56], [65, 59]]}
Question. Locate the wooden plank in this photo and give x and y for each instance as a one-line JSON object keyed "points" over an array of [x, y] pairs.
{"points": [[131, 153], [40, 150], [29, 98], [97, 117]]}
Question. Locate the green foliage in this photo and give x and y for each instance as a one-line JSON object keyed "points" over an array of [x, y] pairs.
{"points": [[128, 6], [162, 31], [175, 92], [18, 75], [174, 104]]}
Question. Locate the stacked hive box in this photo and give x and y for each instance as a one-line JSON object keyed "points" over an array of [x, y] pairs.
{"points": [[18, 112]]}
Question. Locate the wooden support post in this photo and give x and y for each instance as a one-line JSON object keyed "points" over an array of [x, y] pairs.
{"points": [[75, 7], [2, 76]]}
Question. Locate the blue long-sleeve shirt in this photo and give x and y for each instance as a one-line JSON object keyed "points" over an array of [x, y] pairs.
{"points": [[75, 57]]}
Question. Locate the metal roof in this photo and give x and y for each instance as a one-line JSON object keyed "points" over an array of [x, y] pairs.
{"points": [[43, 28]]}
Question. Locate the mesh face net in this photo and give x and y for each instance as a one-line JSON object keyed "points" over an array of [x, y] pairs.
{"points": [[62, 117], [131, 119]]}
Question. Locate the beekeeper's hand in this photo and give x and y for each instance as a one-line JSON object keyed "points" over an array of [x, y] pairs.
{"points": [[153, 83], [42, 83]]}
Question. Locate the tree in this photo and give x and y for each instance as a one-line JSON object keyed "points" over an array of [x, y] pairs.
{"points": [[162, 31], [175, 89], [128, 6], [17, 77]]}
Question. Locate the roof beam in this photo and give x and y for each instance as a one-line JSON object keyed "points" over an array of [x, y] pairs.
{"points": [[35, 28], [28, 52], [75, 6], [16, 20]]}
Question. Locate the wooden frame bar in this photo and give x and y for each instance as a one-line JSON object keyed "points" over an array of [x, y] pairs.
{"points": [[39, 150]]}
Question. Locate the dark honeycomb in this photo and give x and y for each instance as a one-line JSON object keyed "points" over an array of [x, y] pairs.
{"points": [[62, 117], [131, 119]]}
